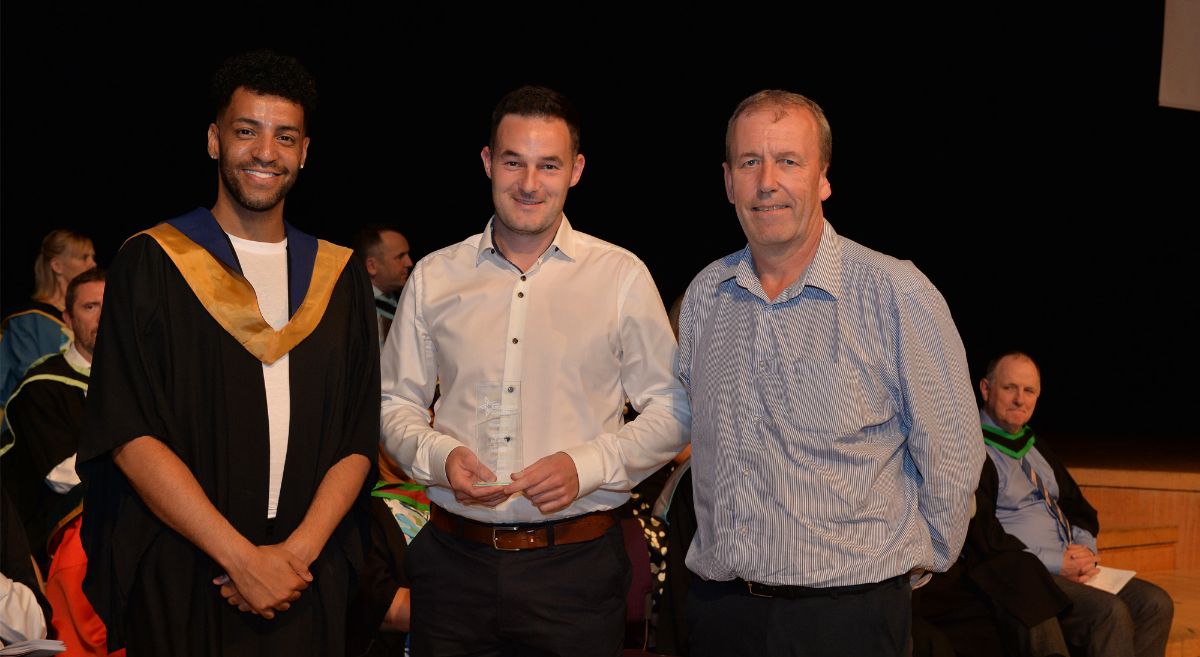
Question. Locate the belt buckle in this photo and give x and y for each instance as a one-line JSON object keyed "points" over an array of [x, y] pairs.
{"points": [[750, 588], [496, 545]]}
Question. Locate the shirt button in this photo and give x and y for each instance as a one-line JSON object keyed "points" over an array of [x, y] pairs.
{"points": [[520, 295], [510, 388], [744, 531], [515, 340], [522, 277], [508, 439], [745, 471]]}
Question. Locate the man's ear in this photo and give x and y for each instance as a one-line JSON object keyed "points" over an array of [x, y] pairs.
{"points": [[486, 156], [214, 141], [577, 169], [728, 182]]}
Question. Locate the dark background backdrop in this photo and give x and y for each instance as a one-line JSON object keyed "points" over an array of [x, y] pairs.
{"points": [[1021, 161]]}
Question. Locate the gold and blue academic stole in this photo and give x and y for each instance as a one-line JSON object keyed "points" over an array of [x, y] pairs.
{"points": [[205, 258]]}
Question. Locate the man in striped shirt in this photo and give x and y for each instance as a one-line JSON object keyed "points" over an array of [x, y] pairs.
{"points": [[834, 429]]}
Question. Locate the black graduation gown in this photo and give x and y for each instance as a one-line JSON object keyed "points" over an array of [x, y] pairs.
{"points": [[383, 575], [995, 571], [164, 367], [14, 554], [45, 413]]}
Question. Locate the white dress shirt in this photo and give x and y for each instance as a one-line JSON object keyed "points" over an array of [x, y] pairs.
{"points": [[531, 364]]}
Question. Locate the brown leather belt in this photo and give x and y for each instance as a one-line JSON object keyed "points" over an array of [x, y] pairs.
{"points": [[579, 529]]}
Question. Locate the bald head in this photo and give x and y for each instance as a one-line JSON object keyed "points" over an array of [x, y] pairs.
{"points": [[1010, 390]]}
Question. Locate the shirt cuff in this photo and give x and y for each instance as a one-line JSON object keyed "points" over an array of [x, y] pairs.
{"points": [[589, 465], [63, 478], [1083, 537], [438, 453], [1052, 559]]}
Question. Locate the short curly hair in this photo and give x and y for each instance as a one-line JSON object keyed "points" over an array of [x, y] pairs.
{"points": [[269, 73]]}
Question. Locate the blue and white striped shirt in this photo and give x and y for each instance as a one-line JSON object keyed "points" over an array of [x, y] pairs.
{"points": [[835, 434]]}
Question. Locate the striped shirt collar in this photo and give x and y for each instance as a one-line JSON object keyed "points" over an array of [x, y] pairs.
{"points": [[380, 295], [823, 273], [564, 241]]}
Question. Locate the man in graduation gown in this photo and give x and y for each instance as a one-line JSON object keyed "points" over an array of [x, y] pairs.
{"points": [[1031, 549], [38, 469], [234, 407], [46, 417], [1038, 503]]}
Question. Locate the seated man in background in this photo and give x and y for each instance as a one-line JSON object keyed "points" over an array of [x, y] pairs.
{"points": [[1037, 502], [383, 250], [46, 416], [36, 329]]}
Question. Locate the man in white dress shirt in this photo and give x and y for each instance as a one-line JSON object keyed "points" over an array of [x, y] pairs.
{"points": [[537, 334]]}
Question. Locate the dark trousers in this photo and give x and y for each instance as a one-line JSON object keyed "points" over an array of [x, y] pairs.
{"points": [[471, 599], [726, 621], [1135, 621]]}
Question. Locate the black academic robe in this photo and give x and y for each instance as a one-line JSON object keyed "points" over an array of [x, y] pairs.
{"points": [[382, 576], [45, 414], [994, 571], [165, 368], [15, 560]]}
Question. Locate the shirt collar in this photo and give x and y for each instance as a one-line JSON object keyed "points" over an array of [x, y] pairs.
{"points": [[984, 418], [379, 294], [77, 361], [565, 242], [823, 273]]}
